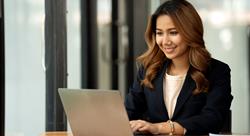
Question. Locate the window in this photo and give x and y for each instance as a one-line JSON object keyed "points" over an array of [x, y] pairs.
{"points": [[24, 68]]}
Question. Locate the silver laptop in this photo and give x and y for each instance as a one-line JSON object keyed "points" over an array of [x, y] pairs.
{"points": [[93, 112]]}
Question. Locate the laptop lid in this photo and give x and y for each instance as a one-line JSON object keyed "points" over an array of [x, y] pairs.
{"points": [[93, 112]]}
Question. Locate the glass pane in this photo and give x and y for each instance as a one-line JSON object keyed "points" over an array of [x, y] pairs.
{"points": [[73, 45], [123, 47], [104, 43], [25, 76]]}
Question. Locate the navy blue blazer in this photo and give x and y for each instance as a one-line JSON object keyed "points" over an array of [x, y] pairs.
{"points": [[199, 114]]}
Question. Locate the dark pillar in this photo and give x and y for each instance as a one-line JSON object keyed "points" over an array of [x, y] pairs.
{"points": [[114, 43], [56, 62], [130, 62], [89, 39], [137, 15]]}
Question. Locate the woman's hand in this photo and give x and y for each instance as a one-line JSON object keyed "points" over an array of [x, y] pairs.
{"points": [[156, 128], [144, 126]]}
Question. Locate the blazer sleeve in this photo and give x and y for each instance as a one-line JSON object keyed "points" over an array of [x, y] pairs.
{"points": [[210, 119], [135, 102]]}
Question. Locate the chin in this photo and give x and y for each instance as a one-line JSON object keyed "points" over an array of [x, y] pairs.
{"points": [[170, 56]]}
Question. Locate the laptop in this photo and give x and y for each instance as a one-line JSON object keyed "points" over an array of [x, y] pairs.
{"points": [[93, 112]]}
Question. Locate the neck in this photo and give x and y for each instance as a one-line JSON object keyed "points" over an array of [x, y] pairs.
{"points": [[178, 67]]}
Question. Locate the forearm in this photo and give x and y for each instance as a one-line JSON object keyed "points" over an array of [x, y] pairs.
{"points": [[169, 127]]}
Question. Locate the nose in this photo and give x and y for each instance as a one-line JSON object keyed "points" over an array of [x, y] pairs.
{"points": [[166, 40]]}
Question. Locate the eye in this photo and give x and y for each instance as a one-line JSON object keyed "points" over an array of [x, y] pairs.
{"points": [[173, 32], [159, 33]]}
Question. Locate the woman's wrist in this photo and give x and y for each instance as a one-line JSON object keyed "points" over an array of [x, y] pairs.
{"points": [[169, 128], [176, 128], [161, 128], [157, 128], [172, 127]]}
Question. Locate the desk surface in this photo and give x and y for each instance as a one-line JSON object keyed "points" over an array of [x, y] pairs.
{"points": [[58, 133], [63, 133]]}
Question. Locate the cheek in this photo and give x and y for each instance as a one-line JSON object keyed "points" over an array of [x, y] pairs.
{"points": [[158, 40], [177, 40], [183, 48]]}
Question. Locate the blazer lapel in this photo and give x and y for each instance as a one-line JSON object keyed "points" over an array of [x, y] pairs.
{"points": [[159, 90], [186, 92]]}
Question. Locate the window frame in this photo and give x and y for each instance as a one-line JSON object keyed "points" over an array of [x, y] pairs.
{"points": [[2, 69]]}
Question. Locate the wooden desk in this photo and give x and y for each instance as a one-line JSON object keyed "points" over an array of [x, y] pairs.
{"points": [[58, 133], [64, 133]]}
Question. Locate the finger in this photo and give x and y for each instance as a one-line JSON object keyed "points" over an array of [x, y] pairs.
{"points": [[141, 121], [145, 127], [137, 126], [133, 123], [132, 127]]}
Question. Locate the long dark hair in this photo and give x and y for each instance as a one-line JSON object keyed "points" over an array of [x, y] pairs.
{"points": [[188, 23]]}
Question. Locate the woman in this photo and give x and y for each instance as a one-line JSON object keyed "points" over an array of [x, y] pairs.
{"points": [[179, 88]]}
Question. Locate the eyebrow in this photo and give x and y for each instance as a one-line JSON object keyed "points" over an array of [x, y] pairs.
{"points": [[167, 29]]}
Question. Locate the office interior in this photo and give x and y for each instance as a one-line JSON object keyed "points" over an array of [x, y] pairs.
{"points": [[93, 44]]}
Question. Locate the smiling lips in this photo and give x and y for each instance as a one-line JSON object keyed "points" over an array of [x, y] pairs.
{"points": [[168, 49]]}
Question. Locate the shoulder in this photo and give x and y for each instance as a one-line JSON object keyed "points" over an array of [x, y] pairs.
{"points": [[217, 65], [217, 68]]}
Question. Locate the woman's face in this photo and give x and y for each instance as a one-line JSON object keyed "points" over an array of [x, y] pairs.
{"points": [[169, 39]]}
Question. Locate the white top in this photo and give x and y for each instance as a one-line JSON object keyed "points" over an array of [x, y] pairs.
{"points": [[171, 89]]}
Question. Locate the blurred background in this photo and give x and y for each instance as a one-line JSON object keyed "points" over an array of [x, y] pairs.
{"points": [[93, 44]]}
